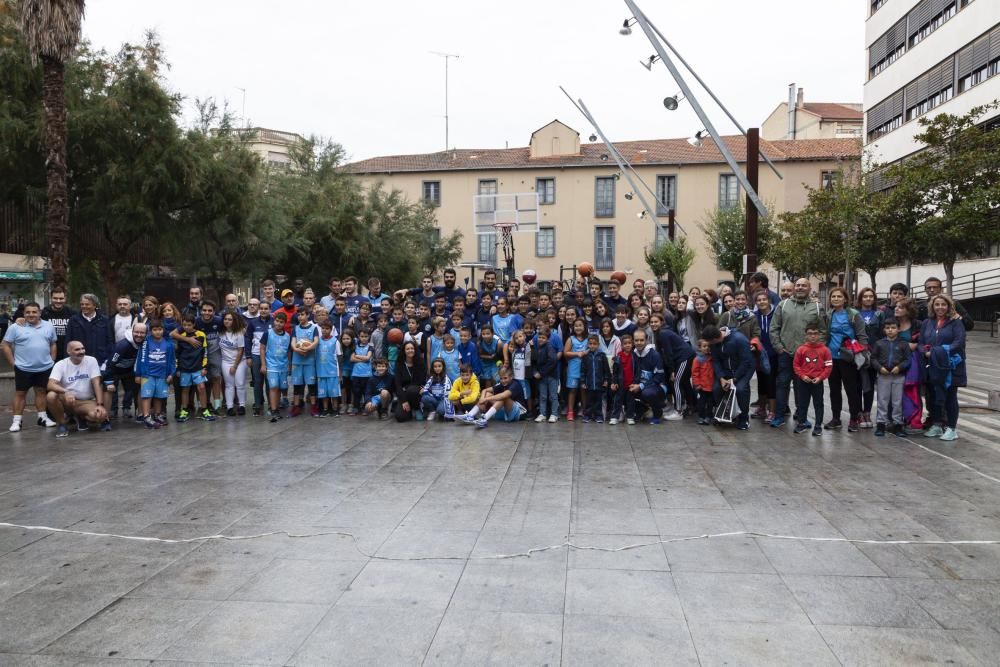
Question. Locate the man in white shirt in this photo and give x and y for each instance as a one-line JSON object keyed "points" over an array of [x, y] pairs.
{"points": [[75, 389]]}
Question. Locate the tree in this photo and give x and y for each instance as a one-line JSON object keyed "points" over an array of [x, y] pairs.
{"points": [[52, 31], [725, 237], [807, 244], [954, 184], [673, 258]]}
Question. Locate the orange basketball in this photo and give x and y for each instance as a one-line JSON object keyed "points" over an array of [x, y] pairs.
{"points": [[585, 269], [619, 277], [395, 336]]}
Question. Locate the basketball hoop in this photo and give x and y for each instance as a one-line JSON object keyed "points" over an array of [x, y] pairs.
{"points": [[502, 215], [505, 239]]}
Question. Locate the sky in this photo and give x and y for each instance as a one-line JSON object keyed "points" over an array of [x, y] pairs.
{"points": [[363, 73]]}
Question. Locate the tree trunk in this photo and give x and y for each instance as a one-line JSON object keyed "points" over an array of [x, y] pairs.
{"points": [[57, 212], [111, 276], [949, 274], [871, 274]]}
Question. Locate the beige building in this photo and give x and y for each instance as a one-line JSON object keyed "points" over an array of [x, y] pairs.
{"points": [[813, 120], [272, 146], [587, 214]]}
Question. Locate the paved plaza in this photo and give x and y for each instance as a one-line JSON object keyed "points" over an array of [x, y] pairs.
{"points": [[433, 507]]}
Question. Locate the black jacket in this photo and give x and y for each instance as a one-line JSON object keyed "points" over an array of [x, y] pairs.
{"points": [[545, 360], [406, 377], [96, 335], [900, 350], [595, 372]]}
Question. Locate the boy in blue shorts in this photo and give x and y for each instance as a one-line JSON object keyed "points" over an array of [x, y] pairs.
{"points": [[192, 368], [274, 349], [154, 370], [505, 402], [378, 390], [305, 336], [328, 371]]}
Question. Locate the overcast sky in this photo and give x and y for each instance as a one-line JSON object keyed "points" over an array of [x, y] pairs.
{"points": [[362, 73]]}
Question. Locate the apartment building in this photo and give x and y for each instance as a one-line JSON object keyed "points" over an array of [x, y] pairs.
{"points": [[813, 120], [588, 212], [927, 57]]}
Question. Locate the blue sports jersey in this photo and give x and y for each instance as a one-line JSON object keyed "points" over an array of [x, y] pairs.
{"points": [[362, 369], [276, 353], [452, 362], [504, 326], [328, 357], [308, 332]]}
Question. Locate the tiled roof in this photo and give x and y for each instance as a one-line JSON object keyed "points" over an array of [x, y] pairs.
{"points": [[832, 111], [655, 151]]}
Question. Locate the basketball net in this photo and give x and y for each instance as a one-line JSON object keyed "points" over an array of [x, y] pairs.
{"points": [[505, 237]]}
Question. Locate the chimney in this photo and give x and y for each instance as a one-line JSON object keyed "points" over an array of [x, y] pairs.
{"points": [[801, 97], [791, 112]]}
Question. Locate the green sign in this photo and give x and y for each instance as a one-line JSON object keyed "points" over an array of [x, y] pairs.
{"points": [[22, 275]]}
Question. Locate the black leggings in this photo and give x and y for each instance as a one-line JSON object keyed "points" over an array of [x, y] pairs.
{"points": [[410, 395], [845, 374]]}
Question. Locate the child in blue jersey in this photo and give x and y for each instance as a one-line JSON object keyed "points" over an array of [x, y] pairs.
{"points": [[434, 395], [456, 325], [154, 370], [305, 336], [328, 370], [274, 351], [574, 352], [362, 370], [504, 323], [378, 390], [490, 355], [468, 350], [346, 367], [452, 358]]}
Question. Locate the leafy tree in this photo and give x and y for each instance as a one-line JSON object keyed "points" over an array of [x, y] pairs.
{"points": [[806, 244], [725, 237], [954, 186], [51, 33], [673, 258]]}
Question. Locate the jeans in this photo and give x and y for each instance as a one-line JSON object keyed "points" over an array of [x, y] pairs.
{"points": [[431, 403], [943, 404], [256, 377], [127, 388], [845, 374], [783, 379], [548, 395], [804, 392]]}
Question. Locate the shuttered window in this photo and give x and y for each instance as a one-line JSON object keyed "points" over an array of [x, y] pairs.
{"points": [[931, 89], [927, 17], [885, 116], [887, 48]]}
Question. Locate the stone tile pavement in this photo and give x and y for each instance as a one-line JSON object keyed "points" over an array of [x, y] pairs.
{"points": [[436, 503]]}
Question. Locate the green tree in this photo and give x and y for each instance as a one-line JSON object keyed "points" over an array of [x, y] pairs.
{"points": [[51, 33], [954, 184], [725, 237], [670, 258]]}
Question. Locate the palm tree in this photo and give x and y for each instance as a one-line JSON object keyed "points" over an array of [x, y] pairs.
{"points": [[52, 31]]}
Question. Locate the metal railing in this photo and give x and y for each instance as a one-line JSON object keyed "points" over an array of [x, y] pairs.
{"points": [[970, 286]]}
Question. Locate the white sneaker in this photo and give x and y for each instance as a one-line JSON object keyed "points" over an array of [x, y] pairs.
{"points": [[672, 416], [630, 421], [465, 419], [539, 419], [553, 419], [482, 422], [46, 422], [15, 426], [612, 422], [432, 415]]}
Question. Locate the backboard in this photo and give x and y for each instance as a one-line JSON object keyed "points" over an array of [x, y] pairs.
{"points": [[518, 209]]}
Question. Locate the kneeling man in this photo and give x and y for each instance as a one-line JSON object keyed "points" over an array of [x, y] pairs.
{"points": [[75, 389]]}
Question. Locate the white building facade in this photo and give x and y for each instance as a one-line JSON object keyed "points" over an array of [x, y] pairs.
{"points": [[926, 57]]}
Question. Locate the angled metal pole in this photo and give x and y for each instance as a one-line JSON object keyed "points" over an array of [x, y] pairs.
{"points": [[643, 23], [709, 91], [622, 165]]}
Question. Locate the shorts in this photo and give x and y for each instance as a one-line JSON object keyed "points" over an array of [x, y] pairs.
{"points": [[514, 414], [82, 408], [328, 387], [303, 374], [525, 387], [215, 365], [489, 372], [572, 382], [25, 380], [153, 388], [187, 379], [277, 378]]}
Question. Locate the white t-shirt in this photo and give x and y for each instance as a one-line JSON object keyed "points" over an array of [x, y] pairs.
{"points": [[75, 378], [229, 343], [123, 327]]}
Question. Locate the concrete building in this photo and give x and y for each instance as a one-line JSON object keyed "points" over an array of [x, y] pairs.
{"points": [[813, 120], [273, 146], [587, 214], [928, 57]]}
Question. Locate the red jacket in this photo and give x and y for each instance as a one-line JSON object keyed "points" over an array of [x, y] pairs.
{"points": [[812, 361], [702, 374]]}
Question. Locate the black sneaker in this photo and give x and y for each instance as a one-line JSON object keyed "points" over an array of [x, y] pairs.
{"points": [[880, 430], [818, 431], [256, 411], [231, 412], [241, 411], [899, 430], [800, 427], [832, 425]]}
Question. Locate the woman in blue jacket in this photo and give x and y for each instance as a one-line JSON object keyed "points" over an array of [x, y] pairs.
{"points": [[942, 341]]}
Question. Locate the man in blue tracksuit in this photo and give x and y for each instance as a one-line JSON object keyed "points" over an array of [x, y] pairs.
{"points": [[647, 387], [256, 328], [734, 366]]}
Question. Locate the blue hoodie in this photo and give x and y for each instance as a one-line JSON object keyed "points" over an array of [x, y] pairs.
{"points": [[649, 366], [732, 358], [156, 359], [673, 349], [470, 355]]}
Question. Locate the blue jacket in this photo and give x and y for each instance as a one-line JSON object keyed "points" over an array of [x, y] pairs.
{"points": [[96, 336], [376, 383], [647, 367], [673, 349], [732, 358], [950, 339], [470, 355], [156, 359], [545, 360], [255, 329], [122, 360], [595, 372]]}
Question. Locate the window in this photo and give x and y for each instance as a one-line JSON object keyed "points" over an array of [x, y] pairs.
{"points": [[729, 191], [666, 192], [922, 23], [488, 187], [432, 192], [661, 235], [888, 48], [885, 116], [827, 179], [877, 5], [545, 242], [604, 248], [930, 90], [488, 248], [546, 189], [604, 197]]}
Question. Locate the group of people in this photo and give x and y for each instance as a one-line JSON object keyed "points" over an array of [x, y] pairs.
{"points": [[587, 352]]}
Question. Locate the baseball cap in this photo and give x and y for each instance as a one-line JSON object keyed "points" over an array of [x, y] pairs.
{"points": [[286, 292]]}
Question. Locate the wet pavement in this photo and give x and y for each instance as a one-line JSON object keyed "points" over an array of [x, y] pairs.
{"points": [[433, 507]]}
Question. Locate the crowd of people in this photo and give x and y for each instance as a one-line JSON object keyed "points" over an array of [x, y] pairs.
{"points": [[586, 352]]}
